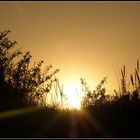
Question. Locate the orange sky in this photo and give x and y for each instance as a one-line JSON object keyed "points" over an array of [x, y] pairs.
{"points": [[82, 39]]}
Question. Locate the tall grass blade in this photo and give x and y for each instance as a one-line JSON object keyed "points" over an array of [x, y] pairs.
{"points": [[124, 70], [138, 65], [132, 81], [117, 80], [137, 76], [122, 73]]}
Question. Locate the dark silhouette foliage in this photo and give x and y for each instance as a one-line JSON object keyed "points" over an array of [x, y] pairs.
{"points": [[128, 93], [102, 115], [95, 97], [19, 80], [118, 114]]}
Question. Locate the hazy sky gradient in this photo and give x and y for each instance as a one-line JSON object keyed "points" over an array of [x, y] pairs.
{"points": [[82, 39]]}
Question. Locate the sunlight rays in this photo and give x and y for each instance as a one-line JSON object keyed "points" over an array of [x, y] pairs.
{"points": [[93, 123], [47, 125], [73, 128], [16, 112]]}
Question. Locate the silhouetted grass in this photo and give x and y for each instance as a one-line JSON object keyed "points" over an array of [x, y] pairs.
{"points": [[120, 115], [22, 87]]}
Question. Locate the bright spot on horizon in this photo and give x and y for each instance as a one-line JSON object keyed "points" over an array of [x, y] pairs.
{"points": [[73, 92]]}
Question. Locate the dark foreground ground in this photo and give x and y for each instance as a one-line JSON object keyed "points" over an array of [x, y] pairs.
{"points": [[116, 120]]}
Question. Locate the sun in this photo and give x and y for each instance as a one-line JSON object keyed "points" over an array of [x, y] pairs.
{"points": [[73, 93]]}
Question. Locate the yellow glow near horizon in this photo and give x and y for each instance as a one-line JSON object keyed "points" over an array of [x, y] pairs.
{"points": [[73, 93], [89, 40]]}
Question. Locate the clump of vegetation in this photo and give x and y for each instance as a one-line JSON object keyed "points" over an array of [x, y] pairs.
{"points": [[105, 115], [18, 78], [129, 88], [95, 97]]}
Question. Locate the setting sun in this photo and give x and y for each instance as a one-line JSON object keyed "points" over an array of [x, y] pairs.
{"points": [[69, 69], [73, 94]]}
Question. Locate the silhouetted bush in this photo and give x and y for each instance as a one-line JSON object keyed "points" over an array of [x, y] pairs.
{"points": [[103, 115], [19, 80], [95, 97], [129, 91]]}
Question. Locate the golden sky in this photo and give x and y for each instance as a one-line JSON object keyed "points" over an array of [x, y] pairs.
{"points": [[82, 39]]}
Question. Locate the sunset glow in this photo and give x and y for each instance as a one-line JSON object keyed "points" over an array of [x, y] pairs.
{"points": [[73, 93], [82, 39], [69, 69]]}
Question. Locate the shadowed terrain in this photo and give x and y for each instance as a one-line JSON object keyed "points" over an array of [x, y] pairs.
{"points": [[23, 110], [115, 120]]}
